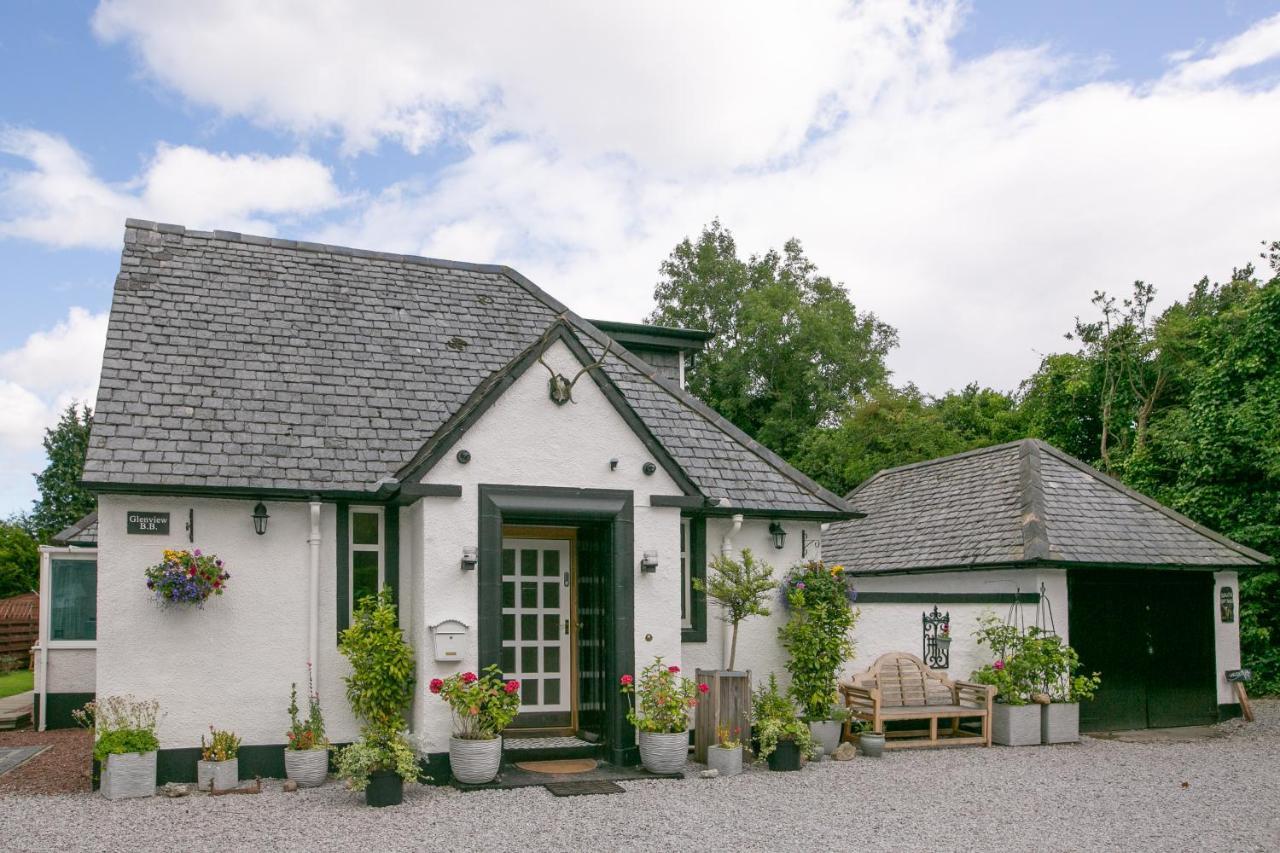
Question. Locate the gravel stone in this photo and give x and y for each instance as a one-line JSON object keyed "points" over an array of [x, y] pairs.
{"points": [[1214, 793]]}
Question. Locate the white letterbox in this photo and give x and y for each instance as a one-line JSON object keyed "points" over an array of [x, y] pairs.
{"points": [[449, 637]]}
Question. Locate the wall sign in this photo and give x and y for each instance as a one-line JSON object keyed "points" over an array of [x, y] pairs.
{"points": [[1227, 604], [153, 523]]}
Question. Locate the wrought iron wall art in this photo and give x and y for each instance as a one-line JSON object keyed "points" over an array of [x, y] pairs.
{"points": [[937, 639]]}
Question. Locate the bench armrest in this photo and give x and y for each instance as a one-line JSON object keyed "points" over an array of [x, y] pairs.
{"points": [[980, 694]]}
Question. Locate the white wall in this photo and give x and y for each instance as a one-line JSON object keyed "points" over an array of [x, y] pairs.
{"points": [[230, 664], [1226, 636], [70, 671], [526, 439]]}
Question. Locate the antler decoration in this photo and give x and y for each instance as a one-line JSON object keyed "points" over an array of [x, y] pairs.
{"points": [[561, 388]]}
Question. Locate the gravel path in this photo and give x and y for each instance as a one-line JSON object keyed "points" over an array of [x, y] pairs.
{"points": [[1219, 793], [64, 768]]}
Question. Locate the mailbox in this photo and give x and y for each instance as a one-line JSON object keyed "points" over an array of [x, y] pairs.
{"points": [[449, 637]]}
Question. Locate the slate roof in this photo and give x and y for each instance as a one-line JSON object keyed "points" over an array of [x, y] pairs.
{"points": [[1016, 504], [83, 533], [252, 363]]}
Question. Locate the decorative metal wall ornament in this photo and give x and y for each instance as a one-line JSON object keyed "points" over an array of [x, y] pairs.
{"points": [[1227, 604], [937, 638], [561, 388]]}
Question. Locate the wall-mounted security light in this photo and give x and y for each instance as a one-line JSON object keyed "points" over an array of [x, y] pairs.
{"points": [[260, 519], [470, 556], [649, 562]]}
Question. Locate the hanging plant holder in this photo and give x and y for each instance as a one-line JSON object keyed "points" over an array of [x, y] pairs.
{"points": [[936, 638]]}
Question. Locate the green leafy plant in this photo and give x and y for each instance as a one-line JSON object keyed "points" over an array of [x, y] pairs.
{"points": [[816, 636], [774, 720], [373, 752], [662, 699], [728, 737], [222, 746], [380, 686], [1030, 663], [308, 734], [740, 588], [482, 705], [121, 725]]}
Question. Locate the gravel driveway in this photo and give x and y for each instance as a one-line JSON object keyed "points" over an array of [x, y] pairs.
{"points": [[1214, 793]]}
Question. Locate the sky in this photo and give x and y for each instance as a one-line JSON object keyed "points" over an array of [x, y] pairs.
{"points": [[970, 171]]}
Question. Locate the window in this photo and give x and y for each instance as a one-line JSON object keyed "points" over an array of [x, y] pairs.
{"points": [[686, 577], [73, 603], [693, 566], [367, 549]]}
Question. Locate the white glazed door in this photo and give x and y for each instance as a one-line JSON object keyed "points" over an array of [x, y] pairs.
{"points": [[535, 622]]}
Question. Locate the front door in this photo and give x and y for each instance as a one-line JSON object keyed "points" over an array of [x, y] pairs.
{"points": [[538, 628]]}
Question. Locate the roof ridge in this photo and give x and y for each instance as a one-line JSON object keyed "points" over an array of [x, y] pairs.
{"points": [[1036, 544], [1151, 503]]}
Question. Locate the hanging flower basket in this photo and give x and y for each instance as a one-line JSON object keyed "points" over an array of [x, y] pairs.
{"points": [[186, 578]]}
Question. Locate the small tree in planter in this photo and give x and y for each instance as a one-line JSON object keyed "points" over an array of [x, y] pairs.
{"points": [[483, 706], [817, 639], [306, 751], [782, 738], [660, 713], [742, 589], [1015, 721], [379, 689], [124, 743], [218, 768]]}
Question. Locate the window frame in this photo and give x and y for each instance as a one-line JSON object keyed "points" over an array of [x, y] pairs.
{"points": [[46, 602], [353, 549], [694, 629]]}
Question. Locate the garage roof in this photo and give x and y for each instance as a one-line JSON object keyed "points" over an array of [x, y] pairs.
{"points": [[1015, 504]]}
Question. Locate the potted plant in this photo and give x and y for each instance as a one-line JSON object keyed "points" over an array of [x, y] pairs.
{"points": [[816, 636], [725, 757], [660, 712], [306, 751], [218, 768], [742, 589], [1014, 721], [379, 689], [1056, 666], [782, 737], [124, 744], [870, 744], [186, 578], [482, 706]]}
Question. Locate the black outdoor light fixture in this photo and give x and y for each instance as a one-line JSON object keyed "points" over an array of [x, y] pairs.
{"points": [[779, 534], [260, 519]]}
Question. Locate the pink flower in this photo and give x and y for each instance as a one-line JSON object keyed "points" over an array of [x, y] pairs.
{"points": [[512, 686], [703, 688], [998, 665], [436, 685], [197, 552], [468, 677], [626, 679], [673, 669]]}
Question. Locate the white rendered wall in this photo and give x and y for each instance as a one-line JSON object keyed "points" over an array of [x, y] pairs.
{"points": [[1226, 636], [526, 439], [230, 664], [70, 671]]}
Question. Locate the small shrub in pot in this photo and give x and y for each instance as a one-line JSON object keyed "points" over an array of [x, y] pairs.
{"points": [[124, 743], [482, 706], [725, 756], [782, 737], [660, 703], [306, 752], [218, 768]]}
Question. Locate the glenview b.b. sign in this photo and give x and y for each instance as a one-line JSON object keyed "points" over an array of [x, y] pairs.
{"points": [[155, 523]]}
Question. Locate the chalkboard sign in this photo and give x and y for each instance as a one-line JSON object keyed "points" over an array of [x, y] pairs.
{"points": [[153, 523]]}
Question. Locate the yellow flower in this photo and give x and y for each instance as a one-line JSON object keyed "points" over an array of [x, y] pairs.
{"points": [[837, 569]]}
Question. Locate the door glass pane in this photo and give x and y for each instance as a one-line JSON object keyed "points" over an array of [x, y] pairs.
{"points": [[508, 594], [528, 627], [508, 626], [529, 659], [551, 659], [529, 691], [551, 691], [508, 660], [528, 562], [551, 563], [528, 595], [364, 575], [75, 600], [364, 528], [551, 595], [550, 626], [508, 562]]}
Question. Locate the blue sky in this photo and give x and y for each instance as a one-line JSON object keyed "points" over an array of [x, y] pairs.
{"points": [[962, 168]]}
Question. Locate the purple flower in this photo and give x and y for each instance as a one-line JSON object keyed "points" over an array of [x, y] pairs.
{"points": [[799, 584], [197, 552]]}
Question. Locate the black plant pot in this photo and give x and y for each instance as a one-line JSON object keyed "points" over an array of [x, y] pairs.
{"points": [[785, 757], [386, 788]]}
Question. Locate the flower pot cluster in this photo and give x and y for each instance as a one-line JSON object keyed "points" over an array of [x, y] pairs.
{"points": [[187, 578], [482, 706], [1038, 684]]}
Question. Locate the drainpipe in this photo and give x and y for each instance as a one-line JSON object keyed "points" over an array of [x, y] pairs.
{"points": [[726, 630], [313, 620]]}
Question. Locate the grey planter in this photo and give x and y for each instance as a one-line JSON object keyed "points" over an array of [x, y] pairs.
{"points": [[1060, 722], [1015, 725], [130, 775], [218, 775], [726, 761], [474, 762], [661, 752], [871, 744], [826, 734], [307, 767]]}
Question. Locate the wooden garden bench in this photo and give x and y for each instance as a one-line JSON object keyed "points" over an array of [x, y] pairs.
{"points": [[899, 686]]}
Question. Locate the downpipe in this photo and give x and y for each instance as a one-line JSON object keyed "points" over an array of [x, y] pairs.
{"points": [[313, 598]]}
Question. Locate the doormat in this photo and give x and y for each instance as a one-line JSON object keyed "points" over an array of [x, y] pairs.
{"points": [[560, 766], [578, 789]]}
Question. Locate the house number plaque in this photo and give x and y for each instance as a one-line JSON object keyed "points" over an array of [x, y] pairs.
{"points": [[153, 523]]}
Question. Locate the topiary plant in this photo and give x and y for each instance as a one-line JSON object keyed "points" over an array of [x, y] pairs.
{"points": [[740, 588]]}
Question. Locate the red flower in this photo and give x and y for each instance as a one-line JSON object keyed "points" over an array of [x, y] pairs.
{"points": [[217, 584], [673, 669], [468, 677], [191, 572], [626, 679], [512, 686], [436, 685], [703, 688]]}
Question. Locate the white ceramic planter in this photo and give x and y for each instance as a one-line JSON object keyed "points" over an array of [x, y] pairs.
{"points": [[661, 752], [218, 775], [130, 775], [1060, 722], [1015, 725], [726, 761], [307, 767], [475, 762], [826, 734]]}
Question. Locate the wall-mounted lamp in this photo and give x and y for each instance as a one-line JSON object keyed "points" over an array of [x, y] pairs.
{"points": [[469, 558], [778, 533], [260, 519], [649, 562]]}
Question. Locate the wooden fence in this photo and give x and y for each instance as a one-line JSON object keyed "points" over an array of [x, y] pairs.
{"points": [[19, 625]]}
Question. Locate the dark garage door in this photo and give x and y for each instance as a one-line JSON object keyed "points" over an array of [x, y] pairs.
{"points": [[1151, 636]]}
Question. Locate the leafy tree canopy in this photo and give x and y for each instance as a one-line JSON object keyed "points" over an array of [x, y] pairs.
{"points": [[19, 560], [63, 500]]}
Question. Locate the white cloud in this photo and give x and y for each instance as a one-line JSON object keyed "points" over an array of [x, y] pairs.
{"points": [[1256, 45], [49, 371], [59, 200]]}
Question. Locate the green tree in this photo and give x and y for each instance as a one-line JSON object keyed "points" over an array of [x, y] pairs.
{"points": [[789, 349], [740, 588], [63, 500], [19, 560]]}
